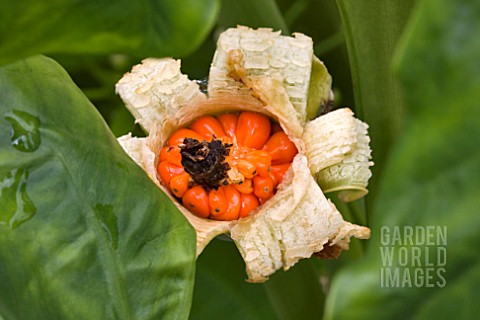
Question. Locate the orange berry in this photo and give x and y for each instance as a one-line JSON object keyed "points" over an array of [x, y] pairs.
{"points": [[179, 184], [280, 148], [256, 156], [229, 123], [163, 154], [263, 169], [207, 127], [174, 156], [261, 159], [253, 129], [279, 171], [274, 180], [167, 171], [180, 135], [245, 187], [263, 187], [234, 204], [196, 200], [246, 168], [217, 201], [249, 203]]}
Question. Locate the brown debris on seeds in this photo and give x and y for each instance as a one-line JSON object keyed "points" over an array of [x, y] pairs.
{"points": [[205, 161]]}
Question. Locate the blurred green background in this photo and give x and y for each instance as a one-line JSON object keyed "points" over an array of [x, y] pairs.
{"points": [[410, 69]]}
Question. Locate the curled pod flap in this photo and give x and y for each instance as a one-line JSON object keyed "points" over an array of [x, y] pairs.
{"points": [[263, 53], [350, 176], [299, 222], [150, 91]]}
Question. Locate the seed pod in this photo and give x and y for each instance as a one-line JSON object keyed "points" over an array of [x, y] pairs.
{"points": [[278, 76]]}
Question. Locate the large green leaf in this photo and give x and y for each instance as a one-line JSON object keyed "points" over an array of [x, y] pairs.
{"points": [[372, 29], [84, 233], [142, 28], [432, 180]]}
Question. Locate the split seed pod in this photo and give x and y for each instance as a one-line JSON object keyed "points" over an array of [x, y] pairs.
{"points": [[279, 76]]}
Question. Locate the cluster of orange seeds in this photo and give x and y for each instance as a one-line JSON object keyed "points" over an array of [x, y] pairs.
{"points": [[259, 153]]}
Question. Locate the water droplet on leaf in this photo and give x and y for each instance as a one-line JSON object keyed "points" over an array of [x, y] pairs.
{"points": [[25, 135], [17, 207]]}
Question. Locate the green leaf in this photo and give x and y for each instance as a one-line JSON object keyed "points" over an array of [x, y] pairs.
{"points": [[372, 29], [297, 293], [141, 28], [84, 233], [430, 185], [253, 14], [221, 291]]}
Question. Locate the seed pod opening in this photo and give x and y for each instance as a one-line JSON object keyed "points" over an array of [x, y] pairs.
{"points": [[241, 159], [281, 214]]}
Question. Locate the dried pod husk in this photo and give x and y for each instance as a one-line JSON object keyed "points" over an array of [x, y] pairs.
{"points": [[261, 71], [350, 176]]}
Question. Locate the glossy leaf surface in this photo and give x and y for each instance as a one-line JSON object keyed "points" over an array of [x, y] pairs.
{"points": [[84, 233]]}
